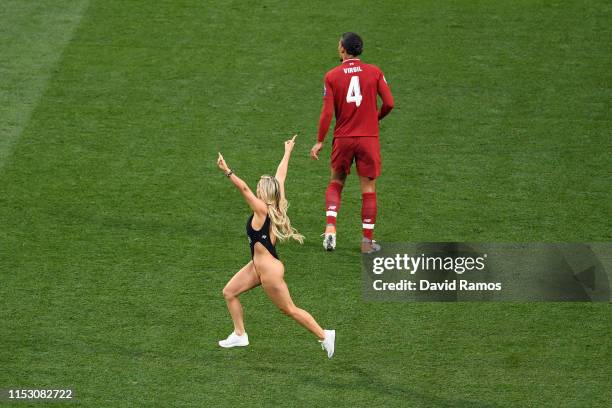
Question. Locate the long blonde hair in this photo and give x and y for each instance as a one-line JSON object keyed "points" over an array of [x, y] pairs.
{"points": [[268, 189]]}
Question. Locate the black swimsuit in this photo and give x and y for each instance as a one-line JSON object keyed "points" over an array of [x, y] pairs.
{"points": [[262, 236]]}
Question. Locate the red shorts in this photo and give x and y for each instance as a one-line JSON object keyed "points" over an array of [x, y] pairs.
{"points": [[364, 150]]}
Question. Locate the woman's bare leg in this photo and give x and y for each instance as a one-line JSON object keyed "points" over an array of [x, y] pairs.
{"points": [[275, 287], [243, 280]]}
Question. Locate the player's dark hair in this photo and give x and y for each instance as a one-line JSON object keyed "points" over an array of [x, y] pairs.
{"points": [[352, 43]]}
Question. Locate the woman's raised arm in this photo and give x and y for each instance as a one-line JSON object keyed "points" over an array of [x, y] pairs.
{"points": [[257, 205], [281, 171]]}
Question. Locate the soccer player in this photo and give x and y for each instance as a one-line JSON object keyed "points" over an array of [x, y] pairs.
{"points": [[350, 90], [268, 223]]}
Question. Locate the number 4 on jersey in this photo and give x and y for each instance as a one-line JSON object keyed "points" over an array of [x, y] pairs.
{"points": [[354, 92]]}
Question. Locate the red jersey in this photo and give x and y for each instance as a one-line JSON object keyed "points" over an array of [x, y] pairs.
{"points": [[350, 91]]}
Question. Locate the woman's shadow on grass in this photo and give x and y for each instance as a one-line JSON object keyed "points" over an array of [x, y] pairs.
{"points": [[369, 381]]}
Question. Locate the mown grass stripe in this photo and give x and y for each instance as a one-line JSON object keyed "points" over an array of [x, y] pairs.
{"points": [[33, 36]]}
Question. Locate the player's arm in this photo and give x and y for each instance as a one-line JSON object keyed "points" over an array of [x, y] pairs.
{"points": [[257, 205], [385, 95], [281, 171], [327, 113]]}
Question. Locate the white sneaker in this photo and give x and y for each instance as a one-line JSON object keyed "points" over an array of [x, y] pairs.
{"points": [[329, 241], [329, 342], [234, 340]]}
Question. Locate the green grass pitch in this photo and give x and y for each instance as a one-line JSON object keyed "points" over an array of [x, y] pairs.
{"points": [[117, 232]]}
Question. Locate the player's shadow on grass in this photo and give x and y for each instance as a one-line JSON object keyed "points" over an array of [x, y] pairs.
{"points": [[373, 384]]}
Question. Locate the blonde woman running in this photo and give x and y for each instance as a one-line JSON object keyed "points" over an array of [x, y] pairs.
{"points": [[268, 224]]}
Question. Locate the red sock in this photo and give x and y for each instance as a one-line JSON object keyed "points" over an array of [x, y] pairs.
{"points": [[368, 214], [332, 201]]}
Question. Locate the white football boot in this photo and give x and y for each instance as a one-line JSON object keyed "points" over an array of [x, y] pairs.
{"points": [[329, 342], [369, 246], [329, 241], [234, 340]]}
